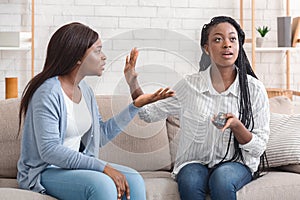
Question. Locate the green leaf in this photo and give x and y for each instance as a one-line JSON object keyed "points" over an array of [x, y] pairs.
{"points": [[263, 30]]}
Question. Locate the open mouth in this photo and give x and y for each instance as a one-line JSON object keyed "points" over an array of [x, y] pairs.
{"points": [[227, 54]]}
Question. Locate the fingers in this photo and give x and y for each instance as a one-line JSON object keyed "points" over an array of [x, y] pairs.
{"points": [[127, 190], [133, 56], [119, 180], [164, 93], [122, 186], [127, 60], [119, 193]]}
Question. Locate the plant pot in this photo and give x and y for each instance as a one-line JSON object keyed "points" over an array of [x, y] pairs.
{"points": [[259, 41]]}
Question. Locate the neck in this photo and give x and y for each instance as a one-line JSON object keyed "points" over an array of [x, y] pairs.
{"points": [[222, 77], [72, 79], [70, 85]]}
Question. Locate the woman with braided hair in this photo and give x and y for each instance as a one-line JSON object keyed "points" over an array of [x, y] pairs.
{"points": [[224, 116]]}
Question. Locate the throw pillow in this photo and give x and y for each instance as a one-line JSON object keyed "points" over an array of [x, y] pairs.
{"points": [[283, 147], [281, 104]]}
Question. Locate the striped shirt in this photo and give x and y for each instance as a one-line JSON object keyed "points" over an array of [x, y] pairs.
{"points": [[196, 102]]}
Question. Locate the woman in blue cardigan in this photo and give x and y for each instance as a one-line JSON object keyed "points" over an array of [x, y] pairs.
{"points": [[63, 130]]}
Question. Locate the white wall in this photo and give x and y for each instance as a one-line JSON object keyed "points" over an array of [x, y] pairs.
{"points": [[166, 31]]}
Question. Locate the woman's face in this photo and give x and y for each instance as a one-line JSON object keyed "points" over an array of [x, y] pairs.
{"points": [[93, 61], [222, 45]]}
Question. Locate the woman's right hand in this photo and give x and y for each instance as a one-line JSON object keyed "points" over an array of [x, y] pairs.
{"points": [[120, 181]]}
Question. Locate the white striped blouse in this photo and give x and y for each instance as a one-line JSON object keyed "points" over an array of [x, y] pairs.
{"points": [[196, 102]]}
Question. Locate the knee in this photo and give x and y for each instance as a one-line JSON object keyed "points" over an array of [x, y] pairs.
{"points": [[221, 179], [135, 181], [100, 187], [192, 175], [136, 185]]}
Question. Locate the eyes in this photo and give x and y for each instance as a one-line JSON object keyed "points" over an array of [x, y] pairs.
{"points": [[98, 50], [221, 39]]}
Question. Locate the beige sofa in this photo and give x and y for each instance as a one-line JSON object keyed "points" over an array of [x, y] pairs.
{"points": [[149, 148]]}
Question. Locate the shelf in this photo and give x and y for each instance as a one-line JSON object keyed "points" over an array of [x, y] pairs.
{"points": [[254, 49], [24, 43], [22, 48], [270, 49]]}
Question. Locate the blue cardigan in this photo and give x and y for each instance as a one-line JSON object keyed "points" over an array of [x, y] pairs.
{"points": [[44, 131]]}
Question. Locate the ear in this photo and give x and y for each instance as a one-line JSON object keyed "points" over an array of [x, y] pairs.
{"points": [[206, 49], [79, 62]]}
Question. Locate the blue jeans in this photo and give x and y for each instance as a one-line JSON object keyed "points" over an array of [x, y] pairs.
{"points": [[196, 180], [65, 184]]}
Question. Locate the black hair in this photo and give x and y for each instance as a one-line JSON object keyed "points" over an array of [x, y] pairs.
{"points": [[244, 68]]}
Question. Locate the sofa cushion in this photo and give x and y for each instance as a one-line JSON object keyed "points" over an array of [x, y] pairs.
{"points": [[283, 147], [160, 186], [290, 168], [12, 193], [9, 138], [173, 128], [281, 104], [8, 182], [296, 105], [141, 145], [273, 185]]}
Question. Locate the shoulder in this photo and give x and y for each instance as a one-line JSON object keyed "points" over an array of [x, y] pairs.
{"points": [[254, 83], [199, 76], [50, 90], [256, 88]]}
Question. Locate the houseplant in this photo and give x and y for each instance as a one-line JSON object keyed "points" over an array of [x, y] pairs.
{"points": [[262, 31]]}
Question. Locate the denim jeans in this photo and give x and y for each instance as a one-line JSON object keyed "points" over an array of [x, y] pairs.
{"points": [[196, 180], [65, 184]]}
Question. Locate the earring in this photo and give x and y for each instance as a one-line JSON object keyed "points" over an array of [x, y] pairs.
{"points": [[78, 62]]}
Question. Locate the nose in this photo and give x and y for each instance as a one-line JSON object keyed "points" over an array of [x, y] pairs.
{"points": [[103, 56], [226, 44]]}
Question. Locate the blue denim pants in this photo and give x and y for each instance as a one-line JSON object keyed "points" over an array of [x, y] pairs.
{"points": [[196, 180], [65, 184]]}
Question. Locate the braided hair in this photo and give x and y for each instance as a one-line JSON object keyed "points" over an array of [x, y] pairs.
{"points": [[244, 68]]}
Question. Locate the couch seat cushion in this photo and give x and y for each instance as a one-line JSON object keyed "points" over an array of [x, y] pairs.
{"points": [[273, 185], [160, 186], [12, 193]]}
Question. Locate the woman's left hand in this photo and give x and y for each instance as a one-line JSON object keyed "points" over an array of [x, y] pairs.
{"points": [[160, 94], [231, 122], [241, 133]]}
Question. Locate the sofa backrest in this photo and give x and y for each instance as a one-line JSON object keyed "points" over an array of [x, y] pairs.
{"points": [[141, 145], [9, 138]]}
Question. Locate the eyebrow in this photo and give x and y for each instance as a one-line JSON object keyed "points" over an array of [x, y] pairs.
{"points": [[223, 34]]}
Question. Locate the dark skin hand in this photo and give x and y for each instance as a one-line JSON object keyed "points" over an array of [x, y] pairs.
{"points": [[241, 133], [141, 99], [120, 181]]}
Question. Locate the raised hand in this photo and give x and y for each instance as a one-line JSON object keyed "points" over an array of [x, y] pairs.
{"points": [[131, 75], [120, 181], [129, 70], [160, 94]]}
